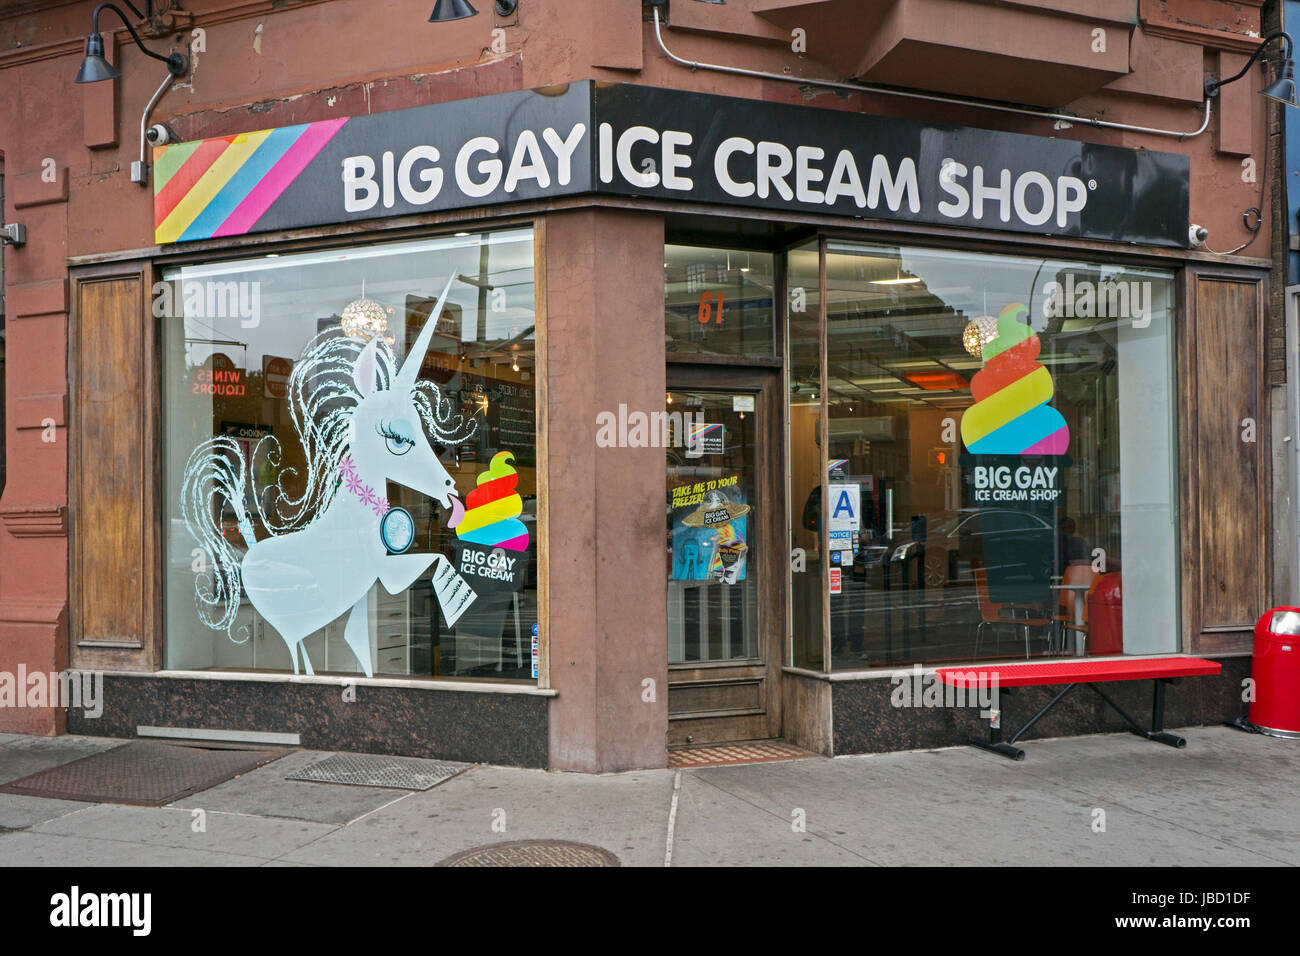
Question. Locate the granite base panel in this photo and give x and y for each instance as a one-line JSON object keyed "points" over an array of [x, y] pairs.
{"points": [[505, 729], [865, 720]]}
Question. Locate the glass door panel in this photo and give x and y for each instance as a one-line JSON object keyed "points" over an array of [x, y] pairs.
{"points": [[712, 547]]}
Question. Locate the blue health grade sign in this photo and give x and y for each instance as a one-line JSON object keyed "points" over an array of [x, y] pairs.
{"points": [[638, 141]]}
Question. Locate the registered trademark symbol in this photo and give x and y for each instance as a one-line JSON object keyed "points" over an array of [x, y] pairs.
{"points": [[1092, 184]]}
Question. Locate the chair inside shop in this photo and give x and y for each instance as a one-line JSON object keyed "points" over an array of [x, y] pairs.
{"points": [[996, 615]]}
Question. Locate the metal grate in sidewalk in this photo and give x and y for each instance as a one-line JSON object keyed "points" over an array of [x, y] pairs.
{"points": [[373, 770], [142, 773]]}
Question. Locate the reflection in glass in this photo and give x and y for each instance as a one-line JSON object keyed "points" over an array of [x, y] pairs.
{"points": [[718, 301]]}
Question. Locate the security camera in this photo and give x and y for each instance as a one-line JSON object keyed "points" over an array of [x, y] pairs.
{"points": [[159, 135], [1197, 235]]}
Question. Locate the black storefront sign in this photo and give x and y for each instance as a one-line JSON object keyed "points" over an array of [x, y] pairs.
{"points": [[777, 156], [641, 141]]}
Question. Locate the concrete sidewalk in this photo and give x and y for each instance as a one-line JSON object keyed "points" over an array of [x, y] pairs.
{"points": [[1228, 799]]}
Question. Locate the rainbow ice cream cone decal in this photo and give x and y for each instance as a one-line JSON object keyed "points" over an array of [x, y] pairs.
{"points": [[1012, 414], [492, 509]]}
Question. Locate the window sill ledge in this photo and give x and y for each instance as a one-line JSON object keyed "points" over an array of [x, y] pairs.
{"points": [[470, 686]]}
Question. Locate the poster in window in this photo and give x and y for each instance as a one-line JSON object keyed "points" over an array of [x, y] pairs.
{"points": [[710, 527]]}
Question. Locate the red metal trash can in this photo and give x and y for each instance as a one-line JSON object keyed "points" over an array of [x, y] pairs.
{"points": [[1106, 616], [1276, 670]]}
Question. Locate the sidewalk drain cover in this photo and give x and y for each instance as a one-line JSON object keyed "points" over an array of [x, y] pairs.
{"points": [[142, 772], [371, 770], [534, 853]]}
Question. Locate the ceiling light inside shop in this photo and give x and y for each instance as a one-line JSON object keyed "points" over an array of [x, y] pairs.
{"points": [[941, 381], [365, 318], [880, 380], [978, 333]]}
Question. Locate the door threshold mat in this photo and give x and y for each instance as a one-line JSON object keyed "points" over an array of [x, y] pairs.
{"points": [[716, 756], [142, 773], [378, 770]]}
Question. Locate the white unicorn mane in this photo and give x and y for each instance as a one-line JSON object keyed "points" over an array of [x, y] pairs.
{"points": [[322, 397]]}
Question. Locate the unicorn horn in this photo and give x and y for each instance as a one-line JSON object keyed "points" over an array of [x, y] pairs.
{"points": [[410, 369]]}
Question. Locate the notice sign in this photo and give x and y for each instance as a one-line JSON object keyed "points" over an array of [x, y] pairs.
{"points": [[535, 649], [835, 580], [705, 439], [845, 506]]}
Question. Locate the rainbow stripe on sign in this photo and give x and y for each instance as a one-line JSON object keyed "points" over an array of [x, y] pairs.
{"points": [[223, 186]]}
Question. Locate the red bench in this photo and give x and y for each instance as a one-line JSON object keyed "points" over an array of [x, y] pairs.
{"points": [[1160, 670]]}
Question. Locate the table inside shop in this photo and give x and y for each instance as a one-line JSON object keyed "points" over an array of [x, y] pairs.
{"points": [[1080, 633]]}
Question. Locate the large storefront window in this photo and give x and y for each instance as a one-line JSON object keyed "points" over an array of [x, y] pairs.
{"points": [[999, 455], [351, 489]]}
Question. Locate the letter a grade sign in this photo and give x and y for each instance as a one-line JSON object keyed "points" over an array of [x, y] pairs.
{"points": [[845, 507]]}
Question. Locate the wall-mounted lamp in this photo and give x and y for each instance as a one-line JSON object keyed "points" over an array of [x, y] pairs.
{"points": [[13, 234], [447, 10], [95, 68], [1282, 89]]}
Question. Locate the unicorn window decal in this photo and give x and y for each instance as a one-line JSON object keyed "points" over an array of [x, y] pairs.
{"points": [[362, 421]]}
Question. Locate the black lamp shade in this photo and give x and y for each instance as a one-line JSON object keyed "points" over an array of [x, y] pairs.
{"points": [[1283, 88], [445, 10], [94, 67]]}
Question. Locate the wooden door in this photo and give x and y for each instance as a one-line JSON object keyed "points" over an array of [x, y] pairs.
{"points": [[725, 523]]}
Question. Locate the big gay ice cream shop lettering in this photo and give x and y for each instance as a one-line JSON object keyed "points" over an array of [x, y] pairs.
{"points": [[642, 142]]}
